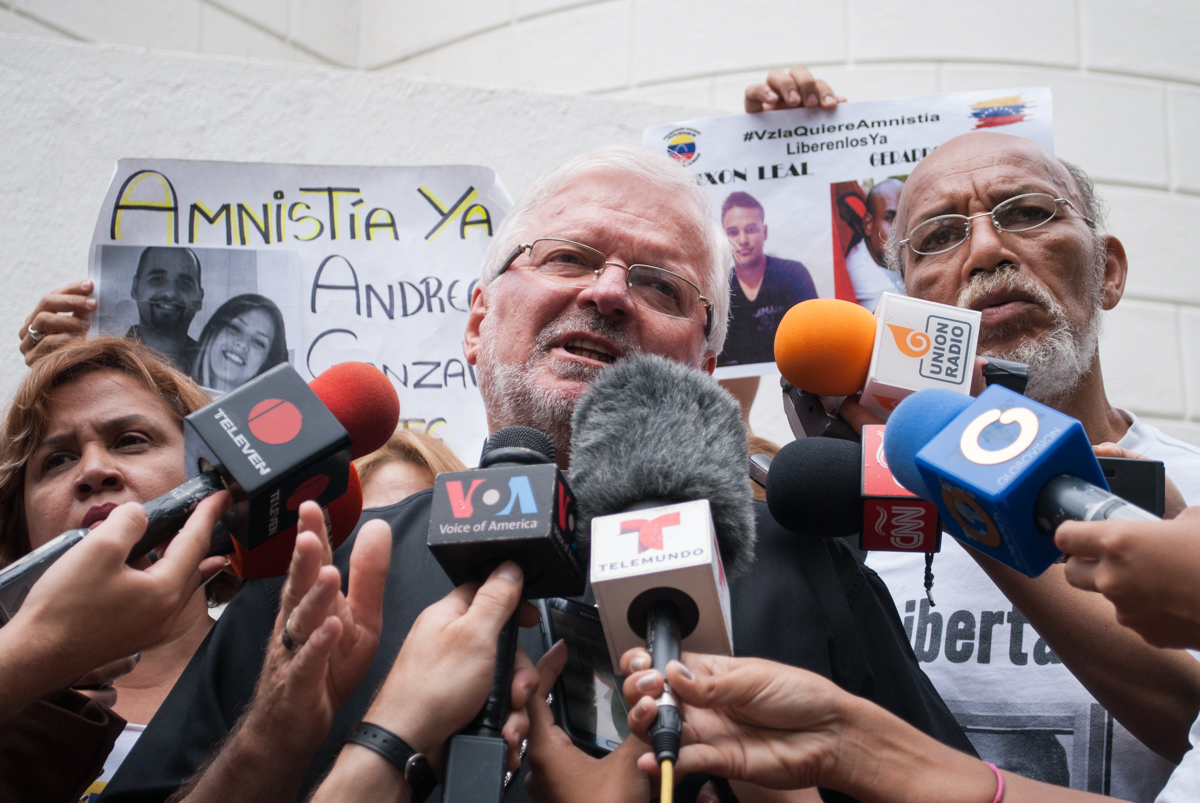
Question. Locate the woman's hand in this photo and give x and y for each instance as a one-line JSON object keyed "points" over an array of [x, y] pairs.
{"points": [[743, 718], [790, 89], [560, 771], [53, 328]]}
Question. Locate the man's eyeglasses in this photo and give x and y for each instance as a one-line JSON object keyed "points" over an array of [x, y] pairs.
{"points": [[578, 265], [1022, 213]]}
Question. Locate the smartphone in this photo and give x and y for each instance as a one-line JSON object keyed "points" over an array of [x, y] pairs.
{"points": [[587, 699]]}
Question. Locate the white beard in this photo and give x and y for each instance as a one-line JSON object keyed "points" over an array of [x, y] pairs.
{"points": [[510, 393], [1060, 359]]}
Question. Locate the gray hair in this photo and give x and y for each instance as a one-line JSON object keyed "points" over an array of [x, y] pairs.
{"points": [[1090, 205], [645, 164]]}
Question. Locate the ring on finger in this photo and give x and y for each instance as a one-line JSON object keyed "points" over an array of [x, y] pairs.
{"points": [[35, 335], [289, 643]]}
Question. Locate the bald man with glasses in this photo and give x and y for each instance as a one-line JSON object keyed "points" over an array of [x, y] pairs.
{"points": [[997, 224]]}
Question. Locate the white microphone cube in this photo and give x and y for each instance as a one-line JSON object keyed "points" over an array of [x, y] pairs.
{"points": [[919, 344], [673, 546]]}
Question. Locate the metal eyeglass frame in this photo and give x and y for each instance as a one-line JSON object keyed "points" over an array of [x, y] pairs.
{"points": [[708, 305], [968, 218]]}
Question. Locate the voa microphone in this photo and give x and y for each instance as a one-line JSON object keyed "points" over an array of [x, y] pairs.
{"points": [[1003, 470], [516, 506], [274, 443], [658, 458]]}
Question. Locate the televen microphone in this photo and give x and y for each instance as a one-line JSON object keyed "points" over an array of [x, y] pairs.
{"points": [[658, 457], [1003, 470]]}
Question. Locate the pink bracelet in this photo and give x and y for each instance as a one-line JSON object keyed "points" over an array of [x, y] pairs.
{"points": [[999, 782]]}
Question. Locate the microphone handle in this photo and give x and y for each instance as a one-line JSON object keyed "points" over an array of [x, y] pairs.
{"points": [[662, 642], [1068, 498], [166, 515], [490, 720]]}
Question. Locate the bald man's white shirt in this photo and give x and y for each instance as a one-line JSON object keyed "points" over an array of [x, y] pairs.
{"points": [[869, 279]]}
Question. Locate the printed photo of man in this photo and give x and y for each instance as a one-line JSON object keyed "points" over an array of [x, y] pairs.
{"points": [[864, 261], [762, 287], [168, 291]]}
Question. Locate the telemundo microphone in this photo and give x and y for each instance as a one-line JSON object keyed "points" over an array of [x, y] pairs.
{"points": [[1003, 470], [274, 443], [832, 348], [658, 457], [516, 506]]}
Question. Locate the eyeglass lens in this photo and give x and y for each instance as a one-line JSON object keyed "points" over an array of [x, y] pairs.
{"points": [[577, 265], [1022, 213]]}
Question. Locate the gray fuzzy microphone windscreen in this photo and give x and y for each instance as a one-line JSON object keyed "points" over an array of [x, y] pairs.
{"points": [[652, 430]]}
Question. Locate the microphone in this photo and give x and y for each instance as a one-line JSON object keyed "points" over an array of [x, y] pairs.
{"points": [[516, 506], [834, 488], [659, 455], [273, 443], [828, 347], [1003, 470]]}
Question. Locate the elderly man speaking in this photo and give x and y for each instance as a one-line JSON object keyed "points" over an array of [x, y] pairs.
{"points": [[538, 340]]}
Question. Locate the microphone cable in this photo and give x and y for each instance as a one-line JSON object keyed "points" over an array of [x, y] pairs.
{"points": [[667, 768]]}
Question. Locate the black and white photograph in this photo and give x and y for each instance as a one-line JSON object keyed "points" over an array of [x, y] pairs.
{"points": [[221, 316]]}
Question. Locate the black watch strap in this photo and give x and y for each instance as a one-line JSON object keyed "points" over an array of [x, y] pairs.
{"points": [[412, 765]]}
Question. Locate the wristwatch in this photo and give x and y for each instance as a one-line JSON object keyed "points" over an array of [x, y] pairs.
{"points": [[412, 765]]}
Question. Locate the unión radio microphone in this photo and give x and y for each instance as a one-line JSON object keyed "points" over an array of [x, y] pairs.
{"points": [[658, 458], [828, 347], [1003, 470], [516, 506], [833, 488], [273, 443]]}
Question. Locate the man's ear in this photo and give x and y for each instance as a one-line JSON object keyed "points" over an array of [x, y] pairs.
{"points": [[708, 361], [1116, 269], [764, 232], [475, 318]]}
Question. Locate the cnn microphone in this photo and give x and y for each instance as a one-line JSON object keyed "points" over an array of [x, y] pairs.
{"points": [[834, 488], [274, 443], [659, 455], [1003, 470], [832, 348], [516, 506]]}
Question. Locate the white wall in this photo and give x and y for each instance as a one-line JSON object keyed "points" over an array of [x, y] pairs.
{"points": [[1125, 80]]}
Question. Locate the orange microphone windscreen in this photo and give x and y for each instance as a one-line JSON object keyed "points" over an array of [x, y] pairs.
{"points": [[824, 346], [274, 557], [363, 401]]}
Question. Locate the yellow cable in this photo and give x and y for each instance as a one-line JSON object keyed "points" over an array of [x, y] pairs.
{"points": [[668, 781]]}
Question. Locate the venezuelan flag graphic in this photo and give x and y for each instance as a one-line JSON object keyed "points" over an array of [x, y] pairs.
{"points": [[682, 148], [1000, 111]]}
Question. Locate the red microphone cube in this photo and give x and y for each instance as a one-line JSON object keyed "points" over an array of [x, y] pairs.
{"points": [[894, 519]]}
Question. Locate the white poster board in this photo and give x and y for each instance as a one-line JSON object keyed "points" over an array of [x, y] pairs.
{"points": [[239, 266], [813, 191]]}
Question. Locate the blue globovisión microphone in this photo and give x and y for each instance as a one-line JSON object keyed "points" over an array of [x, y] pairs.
{"points": [[1003, 470]]}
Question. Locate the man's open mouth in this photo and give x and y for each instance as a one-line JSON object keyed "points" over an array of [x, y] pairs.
{"points": [[589, 349], [234, 357]]}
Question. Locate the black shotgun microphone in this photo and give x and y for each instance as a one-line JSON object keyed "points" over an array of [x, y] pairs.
{"points": [[516, 506], [658, 458]]}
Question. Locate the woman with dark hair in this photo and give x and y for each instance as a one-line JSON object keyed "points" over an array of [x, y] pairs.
{"points": [[244, 338]]}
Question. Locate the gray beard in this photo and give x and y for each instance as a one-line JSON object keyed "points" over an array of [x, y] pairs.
{"points": [[510, 394], [1060, 359]]}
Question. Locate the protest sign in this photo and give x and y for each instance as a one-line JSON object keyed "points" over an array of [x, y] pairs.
{"points": [[230, 269], [807, 196]]}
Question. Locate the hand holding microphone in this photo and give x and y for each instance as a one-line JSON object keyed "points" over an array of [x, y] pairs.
{"points": [[1004, 471], [91, 608], [1148, 570], [438, 684]]}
